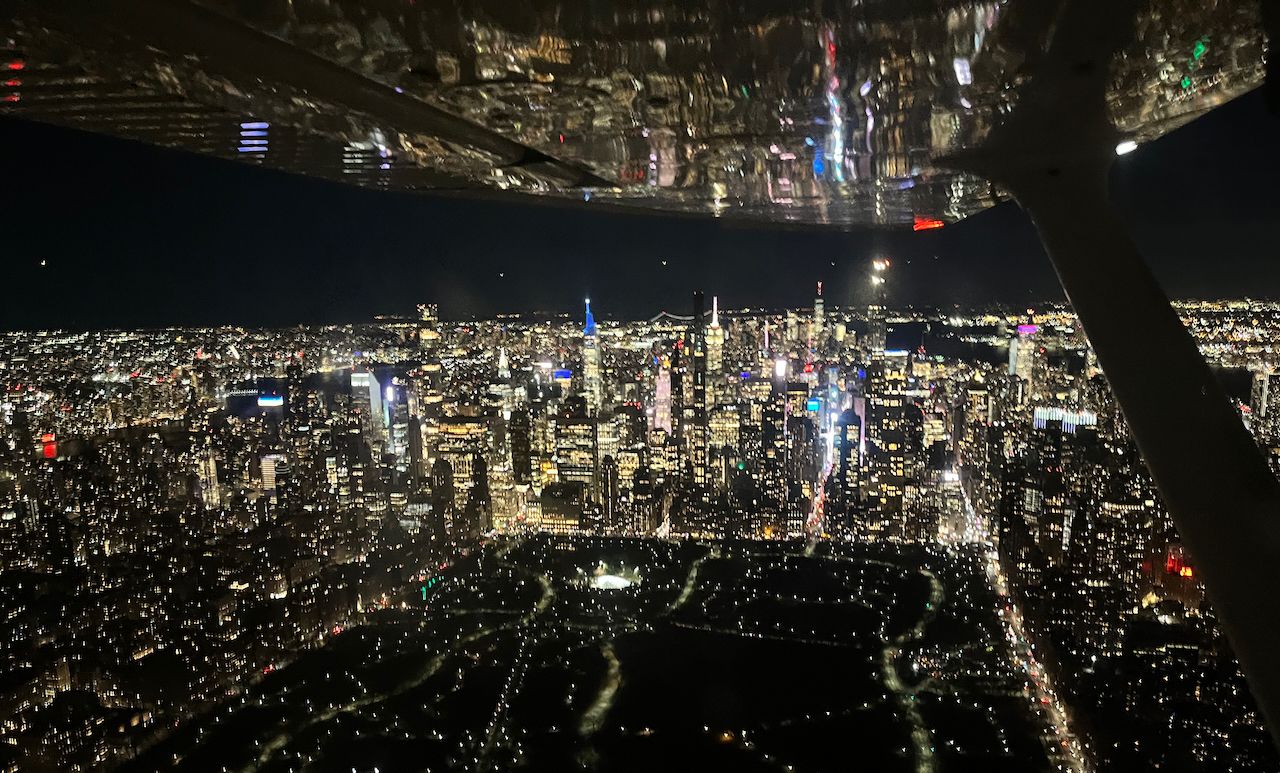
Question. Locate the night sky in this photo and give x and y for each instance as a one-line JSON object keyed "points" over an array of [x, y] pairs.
{"points": [[134, 236]]}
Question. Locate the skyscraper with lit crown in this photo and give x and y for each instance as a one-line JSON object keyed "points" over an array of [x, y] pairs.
{"points": [[591, 364], [715, 356], [817, 331], [877, 329]]}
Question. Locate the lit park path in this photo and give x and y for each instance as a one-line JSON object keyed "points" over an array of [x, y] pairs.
{"points": [[691, 582], [593, 718], [283, 739], [921, 736], [495, 734], [497, 731]]}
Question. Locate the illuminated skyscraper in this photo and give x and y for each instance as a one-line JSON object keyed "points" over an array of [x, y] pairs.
{"points": [[1264, 404], [886, 436], [877, 332], [842, 484], [270, 464], [697, 437], [478, 513], [576, 449], [366, 394], [521, 431], [774, 437], [681, 409], [662, 398], [715, 357], [609, 492], [396, 418], [765, 354], [443, 498], [428, 326], [207, 470], [461, 440], [1026, 359], [817, 330], [504, 365], [591, 364]]}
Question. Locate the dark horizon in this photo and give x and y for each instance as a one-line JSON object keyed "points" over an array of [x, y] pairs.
{"points": [[133, 236]]}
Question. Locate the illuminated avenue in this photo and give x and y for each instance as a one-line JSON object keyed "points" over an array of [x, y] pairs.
{"points": [[743, 539]]}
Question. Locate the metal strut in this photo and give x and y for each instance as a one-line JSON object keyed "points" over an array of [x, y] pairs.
{"points": [[1053, 154]]}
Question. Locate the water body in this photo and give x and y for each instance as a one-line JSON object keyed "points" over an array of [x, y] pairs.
{"points": [[939, 338]]}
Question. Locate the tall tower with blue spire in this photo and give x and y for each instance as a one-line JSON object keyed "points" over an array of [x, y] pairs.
{"points": [[591, 364]]}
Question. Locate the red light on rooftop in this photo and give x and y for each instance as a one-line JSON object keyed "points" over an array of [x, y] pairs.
{"points": [[926, 223], [49, 451]]}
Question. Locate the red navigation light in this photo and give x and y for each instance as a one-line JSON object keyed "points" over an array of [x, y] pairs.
{"points": [[16, 65], [926, 223]]}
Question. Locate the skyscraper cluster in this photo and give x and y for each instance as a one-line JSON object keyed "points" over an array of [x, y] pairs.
{"points": [[180, 509]]}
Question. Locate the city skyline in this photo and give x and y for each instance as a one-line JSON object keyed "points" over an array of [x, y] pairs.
{"points": [[261, 519]]}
